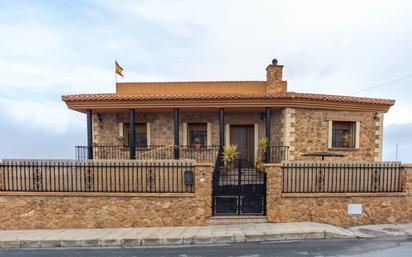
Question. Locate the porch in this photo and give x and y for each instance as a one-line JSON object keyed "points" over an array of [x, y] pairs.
{"points": [[182, 133]]}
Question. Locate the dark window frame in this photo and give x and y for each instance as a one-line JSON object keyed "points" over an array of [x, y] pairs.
{"points": [[339, 130], [197, 130], [140, 131]]}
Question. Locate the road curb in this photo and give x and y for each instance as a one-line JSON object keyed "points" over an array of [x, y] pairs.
{"points": [[172, 241]]}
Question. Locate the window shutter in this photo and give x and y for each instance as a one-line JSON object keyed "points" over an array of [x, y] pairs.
{"points": [[357, 138], [227, 134], [209, 133], [148, 133], [184, 125], [121, 129], [330, 134]]}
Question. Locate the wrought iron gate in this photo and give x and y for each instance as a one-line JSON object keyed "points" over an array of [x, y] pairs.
{"points": [[238, 189]]}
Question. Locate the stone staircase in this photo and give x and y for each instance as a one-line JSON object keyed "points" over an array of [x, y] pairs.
{"points": [[236, 220]]}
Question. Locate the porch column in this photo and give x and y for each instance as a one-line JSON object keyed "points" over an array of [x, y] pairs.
{"points": [[176, 132], [221, 127], [268, 125], [89, 134], [132, 133]]}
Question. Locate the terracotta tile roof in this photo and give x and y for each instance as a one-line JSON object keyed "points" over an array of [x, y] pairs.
{"points": [[288, 95]]}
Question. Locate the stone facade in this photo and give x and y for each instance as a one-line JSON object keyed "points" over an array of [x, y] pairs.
{"points": [[303, 130], [333, 208], [43, 210], [311, 134], [106, 128]]}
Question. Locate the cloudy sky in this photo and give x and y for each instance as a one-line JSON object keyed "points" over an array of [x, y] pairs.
{"points": [[51, 48]]}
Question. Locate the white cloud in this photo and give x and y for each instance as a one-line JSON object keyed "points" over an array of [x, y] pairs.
{"points": [[326, 47], [49, 116], [398, 114]]}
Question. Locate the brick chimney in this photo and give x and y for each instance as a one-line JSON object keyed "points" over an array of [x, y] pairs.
{"points": [[274, 78]]}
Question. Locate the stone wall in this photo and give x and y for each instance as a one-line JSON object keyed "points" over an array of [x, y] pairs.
{"points": [[108, 131], [29, 210], [277, 127], [311, 134], [379, 208]]}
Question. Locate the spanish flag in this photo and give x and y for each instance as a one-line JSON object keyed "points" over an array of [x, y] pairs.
{"points": [[118, 68]]}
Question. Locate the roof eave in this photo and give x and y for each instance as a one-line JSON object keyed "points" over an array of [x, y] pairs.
{"points": [[83, 105]]}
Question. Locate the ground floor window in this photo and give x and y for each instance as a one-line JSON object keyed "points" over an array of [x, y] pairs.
{"points": [[197, 133], [343, 134], [140, 131]]}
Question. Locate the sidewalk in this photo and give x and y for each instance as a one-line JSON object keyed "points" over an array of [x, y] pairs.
{"points": [[383, 230], [133, 237]]}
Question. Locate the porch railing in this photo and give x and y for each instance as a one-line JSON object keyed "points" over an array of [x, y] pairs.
{"points": [[96, 176], [277, 153], [341, 177], [153, 152]]}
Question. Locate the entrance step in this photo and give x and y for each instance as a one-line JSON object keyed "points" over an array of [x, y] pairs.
{"points": [[235, 220]]}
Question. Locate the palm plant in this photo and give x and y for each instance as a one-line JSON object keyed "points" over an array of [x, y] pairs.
{"points": [[229, 155], [263, 144]]}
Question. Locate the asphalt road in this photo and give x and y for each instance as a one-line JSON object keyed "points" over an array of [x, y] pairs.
{"points": [[397, 247]]}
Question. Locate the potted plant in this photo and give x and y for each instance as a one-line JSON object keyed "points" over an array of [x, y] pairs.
{"points": [[263, 144], [346, 140], [229, 155], [196, 143]]}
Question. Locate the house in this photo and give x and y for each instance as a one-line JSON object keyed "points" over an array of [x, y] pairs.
{"points": [[169, 118], [159, 122]]}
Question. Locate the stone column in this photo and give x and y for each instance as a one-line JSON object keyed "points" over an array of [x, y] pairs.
{"points": [[407, 178], [273, 191], [289, 131], [89, 134], [203, 193], [378, 136]]}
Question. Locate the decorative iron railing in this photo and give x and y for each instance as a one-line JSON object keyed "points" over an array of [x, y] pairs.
{"points": [[341, 177], [153, 152], [97, 176], [276, 154]]}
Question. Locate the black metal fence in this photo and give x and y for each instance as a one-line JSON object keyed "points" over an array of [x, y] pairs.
{"points": [[153, 152], [101, 176], [277, 154], [336, 177]]}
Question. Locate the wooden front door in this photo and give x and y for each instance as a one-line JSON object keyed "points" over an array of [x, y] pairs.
{"points": [[243, 137]]}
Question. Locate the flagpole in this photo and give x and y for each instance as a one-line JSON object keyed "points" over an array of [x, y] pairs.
{"points": [[115, 75]]}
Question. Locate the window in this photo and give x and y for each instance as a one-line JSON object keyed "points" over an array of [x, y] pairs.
{"points": [[343, 134], [141, 133], [197, 133]]}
